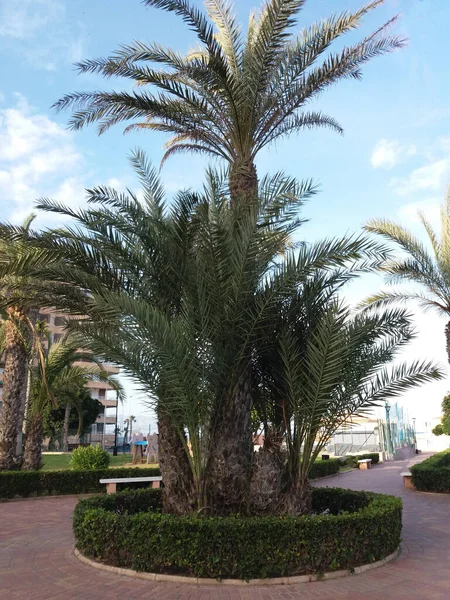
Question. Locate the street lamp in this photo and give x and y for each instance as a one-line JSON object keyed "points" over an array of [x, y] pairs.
{"points": [[388, 429], [115, 430], [414, 430]]}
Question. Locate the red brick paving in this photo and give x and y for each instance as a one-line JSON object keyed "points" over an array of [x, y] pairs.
{"points": [[37, 560]]}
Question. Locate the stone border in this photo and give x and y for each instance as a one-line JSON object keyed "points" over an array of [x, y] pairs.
{"points": [[234, 582]]}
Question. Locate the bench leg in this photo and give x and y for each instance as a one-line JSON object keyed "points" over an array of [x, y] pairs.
{"points": [[111, 488], [408, 483], [156, 484], [363, 466]]}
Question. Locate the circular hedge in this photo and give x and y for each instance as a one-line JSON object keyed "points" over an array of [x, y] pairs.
{"points": [[433, 474], [129, 530]]}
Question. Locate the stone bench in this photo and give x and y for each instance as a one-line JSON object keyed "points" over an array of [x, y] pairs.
{"points": [[365, 463], [407, 481], [111, 484]]}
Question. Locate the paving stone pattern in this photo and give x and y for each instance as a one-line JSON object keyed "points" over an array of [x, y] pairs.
{"points": [[37, 561]]}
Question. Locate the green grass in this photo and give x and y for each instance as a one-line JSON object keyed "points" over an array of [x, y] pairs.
{"points": [[56, 462]]}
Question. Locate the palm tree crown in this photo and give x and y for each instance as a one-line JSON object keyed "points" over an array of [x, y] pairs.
{"points": [[430, 269], [233, 94]]}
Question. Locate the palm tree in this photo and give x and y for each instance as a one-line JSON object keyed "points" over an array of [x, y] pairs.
{"points": [[18, 341], [57, 379], [129, 425], [428, 267], [233, 94], [320, 366]]}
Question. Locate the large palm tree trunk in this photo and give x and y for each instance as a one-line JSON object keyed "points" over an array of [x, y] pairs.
{"points": [[33, 443], [65, 441], [230, 459], [243, 183], [14, 384], [178, 492]]}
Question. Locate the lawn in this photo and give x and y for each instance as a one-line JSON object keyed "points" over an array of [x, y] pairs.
{"points": [[56, 462]]}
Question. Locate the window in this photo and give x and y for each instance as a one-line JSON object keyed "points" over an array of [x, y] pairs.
{"points": [[101, 393], [100, 427], [60, 321], [57, 337], [43, 317]]}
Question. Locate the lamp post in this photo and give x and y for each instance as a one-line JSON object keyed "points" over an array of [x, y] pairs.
{"points": [[388, 429], [414, 431], [115, 430]]}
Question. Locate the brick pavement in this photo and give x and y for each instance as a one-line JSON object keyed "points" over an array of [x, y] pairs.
{"points": [[37, 560]]}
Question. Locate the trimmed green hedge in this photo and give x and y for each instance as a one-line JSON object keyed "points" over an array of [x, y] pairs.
{"points": [[433, 474], [42, 483], [128, 531], [22, 484], [322, 468]]}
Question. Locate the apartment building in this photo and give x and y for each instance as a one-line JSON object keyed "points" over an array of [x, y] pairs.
{"points": [[102, 430]]}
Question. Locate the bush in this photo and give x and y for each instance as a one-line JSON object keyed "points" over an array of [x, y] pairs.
{"points": [[352, 461], [133, 534], [41, 483], [433, 474], [89, 457], [322, 468]]}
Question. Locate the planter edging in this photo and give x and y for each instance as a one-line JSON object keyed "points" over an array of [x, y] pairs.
{"points": [[234, 582]]}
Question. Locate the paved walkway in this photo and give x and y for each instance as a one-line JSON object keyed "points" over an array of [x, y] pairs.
{"points": [[37, 560]]}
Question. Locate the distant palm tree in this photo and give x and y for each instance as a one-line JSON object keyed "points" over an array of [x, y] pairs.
{"points": [[57, 379], [18, 341], [129, 421], [235, 93], [430, 269]]}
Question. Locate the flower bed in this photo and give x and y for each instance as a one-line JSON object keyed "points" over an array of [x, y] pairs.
{"points": [[129, 530], [41, 483], [433, 474]]}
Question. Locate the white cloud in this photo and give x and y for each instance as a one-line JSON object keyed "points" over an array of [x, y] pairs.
{"points": [[430, 207], [38, 158], [430, 177], [389, 153], [41, 32]]}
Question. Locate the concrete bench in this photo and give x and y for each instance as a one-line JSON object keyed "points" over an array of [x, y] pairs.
{"points": [[407, 481], [111, 484], [365, 463]]}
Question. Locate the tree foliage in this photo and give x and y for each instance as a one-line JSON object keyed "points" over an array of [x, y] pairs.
{"points": [[188, 295], [236, 91], [443, 428]]}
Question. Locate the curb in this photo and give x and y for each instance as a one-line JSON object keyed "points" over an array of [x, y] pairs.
{"points": [[235, 582]]}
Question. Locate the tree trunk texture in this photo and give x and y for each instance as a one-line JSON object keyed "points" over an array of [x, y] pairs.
{"points": [[14, 383], [297, 499], [178, 491], [33, 443], [447, 340], [65, 441], [21, 415], [265, 482], [243, 183], [230, 459]]}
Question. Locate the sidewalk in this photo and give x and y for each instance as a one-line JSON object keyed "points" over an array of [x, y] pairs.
{"points": [[37, 560]]}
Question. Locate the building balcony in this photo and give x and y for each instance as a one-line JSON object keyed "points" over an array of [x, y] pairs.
{"points": [[107, 420]]}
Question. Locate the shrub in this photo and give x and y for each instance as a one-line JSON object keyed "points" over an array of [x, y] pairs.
{"points": [[362, 527], [322, 468], [433, 474], [352, 461], [89, 457], [41, 483]]}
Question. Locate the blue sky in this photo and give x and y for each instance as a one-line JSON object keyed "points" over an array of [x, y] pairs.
{"points": [[393, 159]]}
